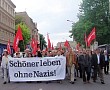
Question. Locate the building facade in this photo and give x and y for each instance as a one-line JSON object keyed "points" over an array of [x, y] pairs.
{"points": [[7, 23], [29, 22], [71, 43]]}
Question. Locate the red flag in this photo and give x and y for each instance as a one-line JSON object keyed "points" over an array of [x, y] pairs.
{"points": [[17, 38], [33, 43], [52, 47], [66, 44], [60, 48], [85, 38], [8, 47], [38, 48], [91, 36], [46, 49], [49, 43], [34, 46]]}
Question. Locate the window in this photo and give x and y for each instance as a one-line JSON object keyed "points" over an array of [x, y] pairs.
{"points": [[8, 21], [0, 2], [3, 18], [11, 11], [5, 5], [13, 24], [8, 8], [0, 17], [2, 35]]}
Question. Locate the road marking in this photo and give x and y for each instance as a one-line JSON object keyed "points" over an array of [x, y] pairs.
{"points": [[40, 89]]}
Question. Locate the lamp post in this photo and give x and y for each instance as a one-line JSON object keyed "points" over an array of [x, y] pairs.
{"points": [[74, 42], [69, 21], [72, 25]]}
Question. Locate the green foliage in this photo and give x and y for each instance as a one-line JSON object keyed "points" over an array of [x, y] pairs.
{"points": [[93, 13], [42, 41], [26, 35]]}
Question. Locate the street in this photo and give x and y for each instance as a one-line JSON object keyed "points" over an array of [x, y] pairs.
{"points": [[79, 85]]}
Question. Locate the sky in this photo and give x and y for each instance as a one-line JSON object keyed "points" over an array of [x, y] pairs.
{"points": [[51, 16]]}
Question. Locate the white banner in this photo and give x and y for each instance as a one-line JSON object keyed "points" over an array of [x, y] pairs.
{"points": [[37, 69]]}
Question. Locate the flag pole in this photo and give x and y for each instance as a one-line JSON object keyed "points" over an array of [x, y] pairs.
{"points": [[23, 45], [85, 37], [86, 45]]}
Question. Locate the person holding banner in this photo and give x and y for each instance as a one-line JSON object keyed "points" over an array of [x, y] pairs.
{"points": [[2, 67], [26, 52], [39, 54], [36, 54], [5, 66], [59, 54], [48, 54], [17, 55], [71, 62], [43, 53], [18, 51], [29, 55]]}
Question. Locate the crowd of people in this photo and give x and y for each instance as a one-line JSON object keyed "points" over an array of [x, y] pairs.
{"points": [[85, 64]]}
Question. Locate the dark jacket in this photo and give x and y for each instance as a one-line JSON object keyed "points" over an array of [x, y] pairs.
{"points": [[95, 60], [85, 60], [107, 58]]}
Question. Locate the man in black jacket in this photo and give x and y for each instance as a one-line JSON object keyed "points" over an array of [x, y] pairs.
{"points": [[85, 66], [106, 66], [98, 65]]}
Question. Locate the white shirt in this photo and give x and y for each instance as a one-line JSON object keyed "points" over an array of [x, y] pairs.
{"points": [[106, 58], [21, 55], [4, 62], [98, 58]]}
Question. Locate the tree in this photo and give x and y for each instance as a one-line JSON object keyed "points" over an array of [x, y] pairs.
{"points": [[26, 35], [93, 13], [42, 41]]}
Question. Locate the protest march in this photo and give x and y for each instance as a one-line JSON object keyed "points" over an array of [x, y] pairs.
{"points": [[53, 64]]}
